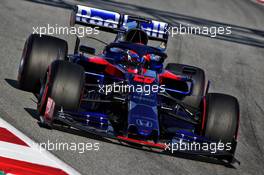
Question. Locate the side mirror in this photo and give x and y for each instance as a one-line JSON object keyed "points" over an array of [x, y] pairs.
{"points": [[86, 49]]}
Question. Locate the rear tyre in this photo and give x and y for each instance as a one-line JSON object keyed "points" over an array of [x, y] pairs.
{"points": [[37, 54], [198, 77], [222, 117], [64, 83]]}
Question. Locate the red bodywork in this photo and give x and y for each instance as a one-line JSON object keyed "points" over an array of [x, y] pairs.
{"points": [[141, 142], [113, 70], [110, 69]]}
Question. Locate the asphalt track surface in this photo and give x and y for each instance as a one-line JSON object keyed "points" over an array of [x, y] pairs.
{"points": [[234, 64]]}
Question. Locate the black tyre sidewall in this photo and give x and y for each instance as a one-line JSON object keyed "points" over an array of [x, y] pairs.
{"points": [[222, 112], [38, 53], [65, 86]]}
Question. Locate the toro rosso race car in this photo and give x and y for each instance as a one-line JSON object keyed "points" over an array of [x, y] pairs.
{"points": [[125, 93]]}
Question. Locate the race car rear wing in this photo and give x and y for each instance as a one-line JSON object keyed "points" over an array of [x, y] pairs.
{"points": [[115, 22]]}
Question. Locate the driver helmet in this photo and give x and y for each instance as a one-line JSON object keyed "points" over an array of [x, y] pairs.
{"points": [[133, 58]]}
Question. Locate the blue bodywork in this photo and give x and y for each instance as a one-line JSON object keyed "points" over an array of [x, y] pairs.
{"points": [[143, 117], [143, 112]]}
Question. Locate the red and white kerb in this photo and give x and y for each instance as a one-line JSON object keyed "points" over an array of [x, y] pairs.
{"points": [[19, 155]]}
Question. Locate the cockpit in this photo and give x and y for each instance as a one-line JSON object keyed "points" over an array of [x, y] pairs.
{"points": [[135, 55]]}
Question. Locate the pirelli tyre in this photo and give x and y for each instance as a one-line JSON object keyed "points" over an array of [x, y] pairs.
{"points": [[38, 53], [222, 119], [198, 77], [64, 83]]}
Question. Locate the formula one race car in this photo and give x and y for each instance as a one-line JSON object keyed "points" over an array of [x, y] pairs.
{"points": [[125, 93]]}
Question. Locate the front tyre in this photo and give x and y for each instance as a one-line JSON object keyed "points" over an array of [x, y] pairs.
{"points": [[222, 119], [64, 84]]}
